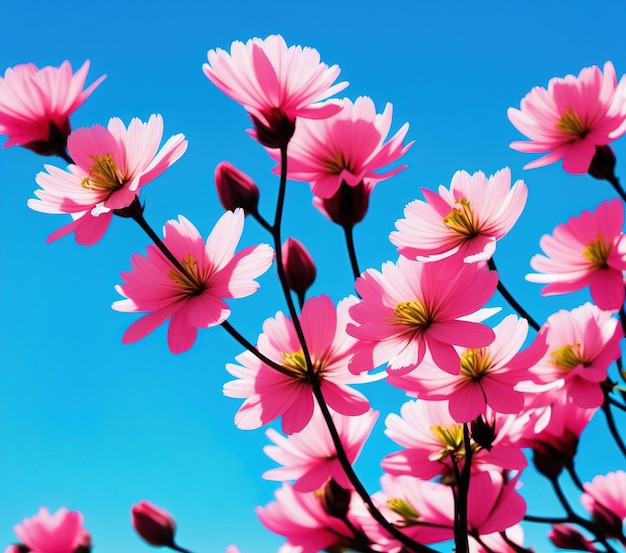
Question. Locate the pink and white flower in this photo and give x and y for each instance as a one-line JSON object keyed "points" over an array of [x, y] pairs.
{"points": [[110, 167], [604, 501], [465, 220], [413, 307], [35, 104], [310, 457], [61, 532], [193, 299], [270, 393], [275, 83], [588, 250], [348, 147], [572, 118]]}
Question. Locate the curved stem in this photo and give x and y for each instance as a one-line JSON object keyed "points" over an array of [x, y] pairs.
{"points": [[512, 301], [347, 229], [65, 156], [177, 547], [261, 220], [606, 407], [622, 318], [616, 185], [547, 520], [616, 403], [574, 476]]}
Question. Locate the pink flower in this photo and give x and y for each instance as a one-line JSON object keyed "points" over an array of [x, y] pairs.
{"points": [[35, 105], [572, 117], [304, 521], [413, 307], [582, 343], [588, 250], [348, 147], [310, 457], [465, 220], [235, 188], [110, 166], [213, 271], [300, 271], [270, 393], [274, 83], [565, 536], [487, 375], [61, 532], [155, 525], [348, 206], [604, 500]]}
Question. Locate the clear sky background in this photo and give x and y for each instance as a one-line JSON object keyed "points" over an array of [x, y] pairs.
{"points": [[93, 425]]}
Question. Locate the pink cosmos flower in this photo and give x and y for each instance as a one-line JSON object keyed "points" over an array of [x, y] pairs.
{"points": [[348, 147], [412, 307], [274, 83], [195, 299], [348, 205], [270, 393], [310, 457], [496, 543], [487, 375], [35, 105], [581, 344], [571, 118], [61, 532], [307, 525], [589, 250], [465, 220], [565, 536], [110, 166], [604, 499], [431, 436]]}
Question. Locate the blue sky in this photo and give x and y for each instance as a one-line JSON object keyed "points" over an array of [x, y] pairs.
{"points": [[93, 425]]}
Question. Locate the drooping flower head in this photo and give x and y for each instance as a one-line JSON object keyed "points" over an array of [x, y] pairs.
{"points": [[275, 83], [413, 307], [465, 220], [270, 393], [61, 532], [588, 250], [604, 500], [348, 147], [35, 105], [310, 458], [571, 118], [110, 166], [194, 298]]}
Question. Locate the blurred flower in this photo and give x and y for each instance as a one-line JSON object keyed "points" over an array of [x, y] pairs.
{"points": [[110, 166], [310, 458], [155, 525], [413, 307], [604, 500], [567, 537], [589, 250], [465, 220], [61, 532], [572, 118], [275, 84], [347, 147], [235, 188], [193, 299], [299, 267], [270, 393], [35, 105]]}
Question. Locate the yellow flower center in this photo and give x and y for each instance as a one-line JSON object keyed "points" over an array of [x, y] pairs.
{"points": [[475, 363], [570, 123], [568, 357], [404, 509], [461, 219], [192, 282], [413, 314], [104, 175], [295, 363], [451, 440], [598, 252]]}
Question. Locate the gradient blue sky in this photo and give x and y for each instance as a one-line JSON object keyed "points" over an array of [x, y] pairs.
{"points": [[93, 425]]}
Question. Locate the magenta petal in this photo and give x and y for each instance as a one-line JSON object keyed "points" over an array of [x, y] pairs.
{"points": [[142, 327], [180, 334]]}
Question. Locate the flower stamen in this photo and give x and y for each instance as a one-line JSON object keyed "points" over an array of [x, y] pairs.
{"points": [[475, 363], [570, 123], [104, 175], [598, 252], [192, 281], [568, 357], [413, 314], [461, 219]]}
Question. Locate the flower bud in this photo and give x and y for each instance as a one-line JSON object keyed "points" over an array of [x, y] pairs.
{"points": [[155, 525], [567, 537], [235, 188], [551, 458], [348, 205], [299, 268], [483, 433], [603, 164], [335, 499]]}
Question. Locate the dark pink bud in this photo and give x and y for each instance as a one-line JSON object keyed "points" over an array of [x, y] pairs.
{"points": [[550, 458], [276, 131], [603, 164], [235, 188], [348, 205], [567, 537], [83, 542], [155, 525], [300, 270]]}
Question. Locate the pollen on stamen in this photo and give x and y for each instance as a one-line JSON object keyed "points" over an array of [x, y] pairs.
{"points": [[568, 357], [570, 123], [192, 281], [461, 219], [598, 252], [413, 314], [475, 363], [104, 175]]}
